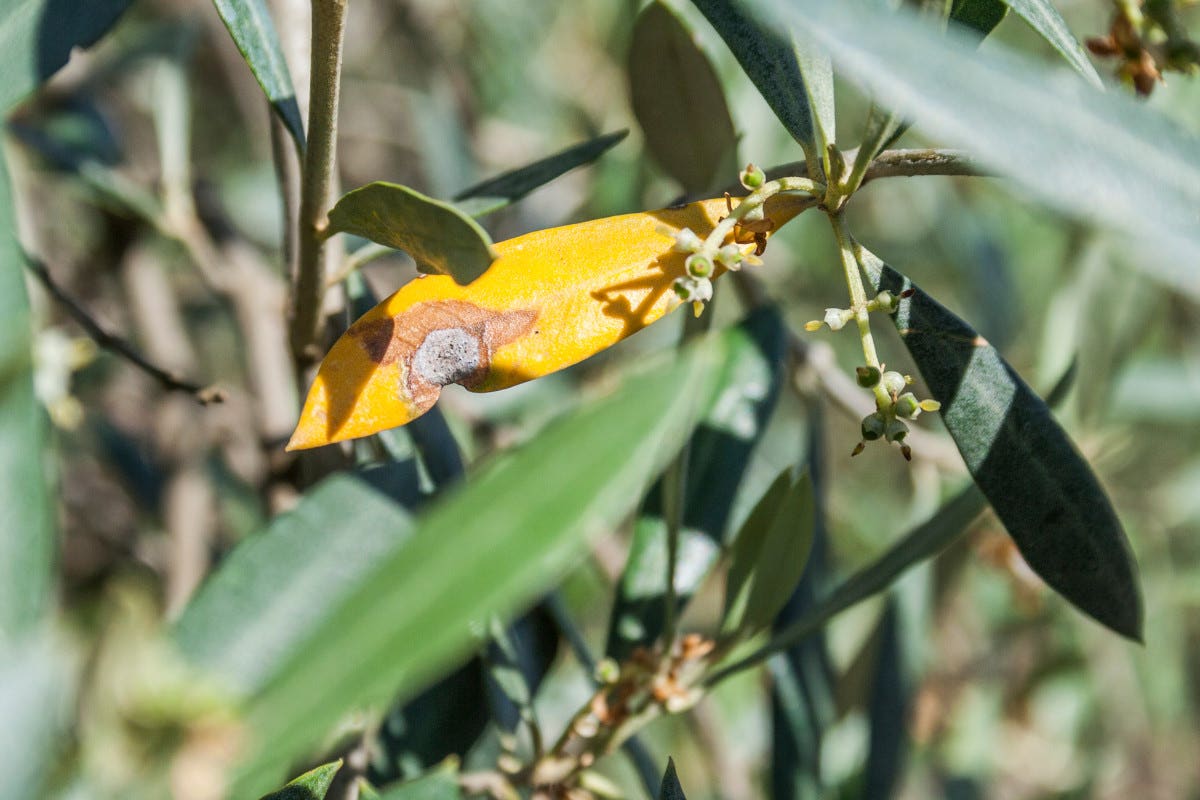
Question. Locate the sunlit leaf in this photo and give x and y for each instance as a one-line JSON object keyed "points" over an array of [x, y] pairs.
{"points": [[552, 298], [253, 31], [312, 785], [440, 238], [1041, 488], [678, 101], [490, 546]]}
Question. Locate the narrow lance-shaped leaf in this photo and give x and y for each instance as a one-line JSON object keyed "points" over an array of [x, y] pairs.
{"points": [[37, 37], [769, 58], [491, 546], [293, 575], [440, 238], [981, 16], [817, 68], [670, 789], [26, 524], [1099, 156], [1041, 488], [885, 126], [926, 540], [312, 785], [984, 15], [719, 454], [887, 709], [1044, 18], [678, 101], [36, 688], [437, 784], [803, 683], [768, 556], [495, 193], [253, 31], [553, 298]]}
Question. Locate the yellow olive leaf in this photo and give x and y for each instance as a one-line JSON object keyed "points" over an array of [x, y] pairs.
{"points": [[551, 299]]}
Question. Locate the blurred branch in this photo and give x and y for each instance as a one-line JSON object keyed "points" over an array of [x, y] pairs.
{"points": [[328, 28], [117, 345]]}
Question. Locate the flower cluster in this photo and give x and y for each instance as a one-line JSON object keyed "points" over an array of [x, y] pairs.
{"points": [[893, 406], [893, 403], [695, 287]]}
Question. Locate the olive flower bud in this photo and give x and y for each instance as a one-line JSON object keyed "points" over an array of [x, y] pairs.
{"points": [[873, 426], [752, 177]]}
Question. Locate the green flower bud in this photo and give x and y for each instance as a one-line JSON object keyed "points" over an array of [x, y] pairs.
{"points": [[930, 405], [896, 431], [893, 382], [752, 177], [699, 266], [888, 302], [868, 377], [873, 426], [907, 406]]}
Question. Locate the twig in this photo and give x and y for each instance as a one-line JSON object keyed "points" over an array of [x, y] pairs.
{"points": [[328, 29], [928, 161], [633, 747], [901, 164], [117, 345]]}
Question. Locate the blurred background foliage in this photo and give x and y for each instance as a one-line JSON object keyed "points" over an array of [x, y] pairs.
{"points": [[980, 681]]}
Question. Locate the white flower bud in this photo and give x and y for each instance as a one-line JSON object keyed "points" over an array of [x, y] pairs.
{"points": [[730, 256], [893, 382], [686, 241], [836, 318]]}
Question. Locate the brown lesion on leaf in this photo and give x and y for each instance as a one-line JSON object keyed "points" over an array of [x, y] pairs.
{"points": [[464, 338]]}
